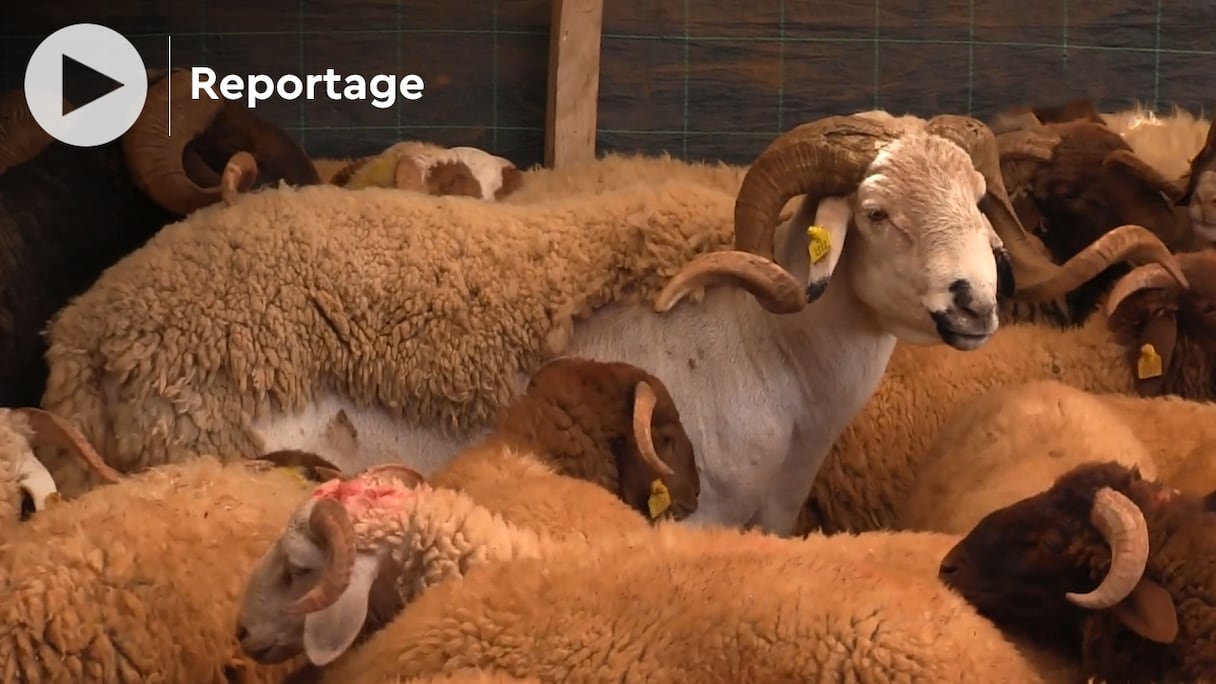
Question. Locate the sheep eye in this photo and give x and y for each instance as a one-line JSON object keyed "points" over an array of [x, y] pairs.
{"points": [[874, 214]]}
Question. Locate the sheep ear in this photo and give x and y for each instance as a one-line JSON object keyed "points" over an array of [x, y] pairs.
{"points": [[330, 631], [1149, 611], [1153, 352], [823, 242]]}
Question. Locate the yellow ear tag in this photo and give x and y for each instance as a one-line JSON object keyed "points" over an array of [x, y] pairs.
{"points": [[1149, 364], [820, 245], [660, 499], [299, 473]]}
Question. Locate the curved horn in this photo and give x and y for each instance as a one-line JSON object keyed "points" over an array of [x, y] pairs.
{"points": [[1129, 162], [331, 527], [1125, 243], [773, 287], [239, 175], [822, 158], [407, 475], [644, 401], [156, 159], [36, 480], [1146, 277], [1121, 523], [21, 138], [53, 430]]}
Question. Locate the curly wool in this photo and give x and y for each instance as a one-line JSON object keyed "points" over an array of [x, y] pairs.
{"points": [[577, 508], [705, 613], [15, 436], [140, 581], [615, 171], [429, 307]]}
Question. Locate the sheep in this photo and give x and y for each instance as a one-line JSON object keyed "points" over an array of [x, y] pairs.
{"points": [[435, 170], [871, 467], [1167, 141], [611, 425], [1072, 183], [341, 333], [137, 581], [26, 486], [349, 533], [1009, 444], [66, 213], [1106, 565]]}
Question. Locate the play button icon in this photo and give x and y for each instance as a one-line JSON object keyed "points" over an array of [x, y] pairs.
{"points": [[98, 72]]}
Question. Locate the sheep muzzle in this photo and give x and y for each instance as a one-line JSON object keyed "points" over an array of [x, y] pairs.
{"points": [[1121, 523]]}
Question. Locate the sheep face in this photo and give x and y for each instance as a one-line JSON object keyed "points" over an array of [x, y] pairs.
{"points": [[1082, 180], [923, 252], [930, 219], [1199, 195], [1021, 565], [314, 590], [613, 424], [1169, 332]]}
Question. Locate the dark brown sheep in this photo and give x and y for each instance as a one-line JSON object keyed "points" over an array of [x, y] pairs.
{"points": [[68, 213], [1105, 565], [609, 423], [1179, 324], [1073, 182]]}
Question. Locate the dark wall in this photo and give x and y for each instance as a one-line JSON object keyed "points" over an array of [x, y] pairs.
{"points": [[698, 78]]}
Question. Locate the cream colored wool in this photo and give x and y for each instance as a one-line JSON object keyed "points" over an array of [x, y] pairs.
{"points": [[693, 606], [1011, 444], [521, 489], [616, 171], [138, 582], [15, 436], [240, 310], [1167, 141]]}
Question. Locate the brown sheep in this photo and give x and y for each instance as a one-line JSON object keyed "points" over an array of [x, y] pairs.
{"points": [[1073, 182], [870, 469], [1139, 550], [611, 424]]}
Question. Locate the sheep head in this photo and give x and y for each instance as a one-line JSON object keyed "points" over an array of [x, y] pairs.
{"points": [[315, 590], [611, 423], [1025, 566], [218, 148], [1169, 331], [434, 170], [930, 217], [1074, 182], [1199, 194]]}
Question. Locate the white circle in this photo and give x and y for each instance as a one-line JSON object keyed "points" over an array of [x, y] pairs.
{"points": [[296, 84], [99, 121]]}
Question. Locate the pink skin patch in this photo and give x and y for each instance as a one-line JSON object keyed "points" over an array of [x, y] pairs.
{"points": [[362, 495]]}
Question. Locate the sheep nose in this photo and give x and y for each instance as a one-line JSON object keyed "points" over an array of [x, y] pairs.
{"points": [[947, 568], [241, 633], [966, 301]]}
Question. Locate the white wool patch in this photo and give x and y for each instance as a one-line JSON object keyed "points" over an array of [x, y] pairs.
{"points": [[1167, 142]]}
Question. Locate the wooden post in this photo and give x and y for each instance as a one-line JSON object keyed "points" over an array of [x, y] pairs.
{"points": [[574, 81]]}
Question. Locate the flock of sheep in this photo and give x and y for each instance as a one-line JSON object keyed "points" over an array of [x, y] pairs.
{"points": [[904, 400]]}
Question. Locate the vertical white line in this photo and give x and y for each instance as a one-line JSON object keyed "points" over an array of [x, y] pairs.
{"points": [[170, 98]]}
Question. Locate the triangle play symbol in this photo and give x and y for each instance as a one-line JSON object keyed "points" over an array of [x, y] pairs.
{"points": [[83, 84]]}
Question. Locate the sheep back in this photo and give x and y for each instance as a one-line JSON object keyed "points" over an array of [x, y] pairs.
{"points": [[528, 494], [139, 581], [652, 613], [430, 307], [1010, 444]]}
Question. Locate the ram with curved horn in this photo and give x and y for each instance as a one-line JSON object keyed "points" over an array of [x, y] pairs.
{"points": [[1106, 566], [910, 223], [68, 213]]}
